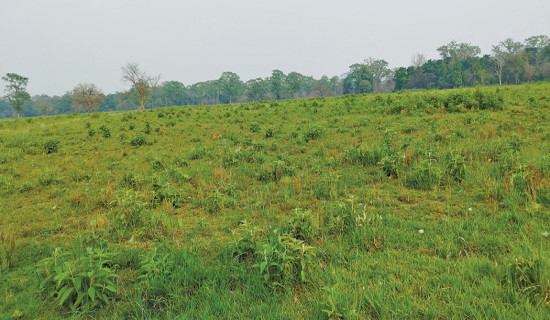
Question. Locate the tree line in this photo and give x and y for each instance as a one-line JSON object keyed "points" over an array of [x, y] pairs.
{"points": [[459, 65]]}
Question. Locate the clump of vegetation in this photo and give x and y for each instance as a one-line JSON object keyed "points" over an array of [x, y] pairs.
{"points": [[51, 146], [81, 278], [7, 249], [138, 140]]}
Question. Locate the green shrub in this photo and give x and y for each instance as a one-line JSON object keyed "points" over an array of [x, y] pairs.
{"points": [[106, 133], [275, 170], [455, 166], [269, 133], [283, 259], [80, 280], [313, 133], [255, 127], [302, 225], [246, 238], [51, 146], [138, 140], [487, 99]]}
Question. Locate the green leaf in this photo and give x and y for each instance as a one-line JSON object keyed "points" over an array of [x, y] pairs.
{"points": [[79, 299], [77, 282], [91, 293], [65, 296], [111, 288]]}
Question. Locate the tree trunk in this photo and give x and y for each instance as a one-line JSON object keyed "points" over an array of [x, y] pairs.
{"points": [[142, 103]]}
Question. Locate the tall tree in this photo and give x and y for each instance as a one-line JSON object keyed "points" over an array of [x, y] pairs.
{"points": [[257, 89], [379, 70], [16, 89], [43, 105], [231, 86], [173, 93], [86, 96], [141, 82], [458, 51], [358, 79], [499, 55], [279, 85]]}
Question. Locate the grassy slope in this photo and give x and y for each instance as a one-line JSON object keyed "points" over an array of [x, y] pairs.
{"points": [[216, 166]]}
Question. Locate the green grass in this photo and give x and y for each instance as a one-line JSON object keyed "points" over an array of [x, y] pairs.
{"points": [[424, 204]]}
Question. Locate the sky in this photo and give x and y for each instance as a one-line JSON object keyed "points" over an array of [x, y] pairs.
{"points": [[60, 43]]}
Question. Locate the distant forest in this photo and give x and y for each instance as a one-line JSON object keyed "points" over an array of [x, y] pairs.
{"points": [[460, 65]]}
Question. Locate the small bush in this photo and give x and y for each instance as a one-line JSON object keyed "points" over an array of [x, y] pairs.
{"points": [[275, 170], [51, 146], [138, 140], [255, 127], [80, 280], [105, 132], [312, 133]]}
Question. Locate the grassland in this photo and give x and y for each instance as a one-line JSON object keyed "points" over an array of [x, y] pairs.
{"points": [[420, 205]]}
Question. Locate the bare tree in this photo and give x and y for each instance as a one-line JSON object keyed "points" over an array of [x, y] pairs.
{"points": [[87, 96], [142, 82], [417, 60]]}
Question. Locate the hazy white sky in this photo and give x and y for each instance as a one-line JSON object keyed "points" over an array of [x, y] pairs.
{"points": [[59, 43]]}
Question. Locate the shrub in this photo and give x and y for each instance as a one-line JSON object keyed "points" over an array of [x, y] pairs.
{"points": [[455, 167], [269, 133], [106, 133], [80, 280], [282, 259], [138, 140], [312, 133], [389, 164], [487, 99], [51, 146], [275, 170], [246, 238], [254, 127]]}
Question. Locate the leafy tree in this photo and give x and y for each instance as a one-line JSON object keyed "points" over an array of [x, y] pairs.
{"points": [[379, 70], [323, 87], [173, 93], [257, 89], [87, 96], [279, 85], [16, 89], [141, 82], [458, 51], [400, 78], [43, 105], [231, 86], [516, 65], [499, 56], [297, 83], [334, 84], [358, 79]]}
